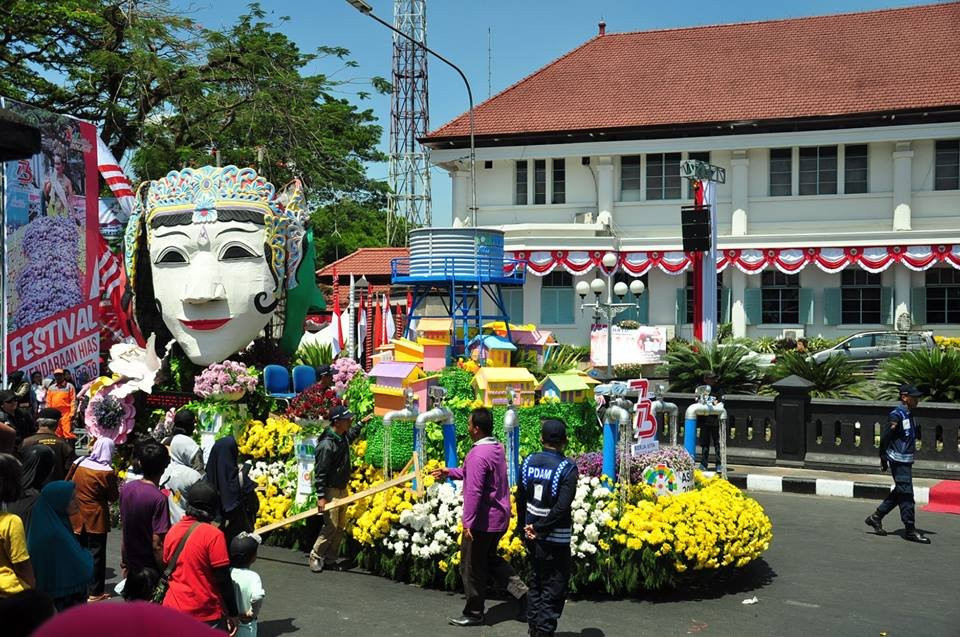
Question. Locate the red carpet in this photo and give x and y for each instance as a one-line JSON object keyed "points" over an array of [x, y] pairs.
{"points": [[944, 497]]}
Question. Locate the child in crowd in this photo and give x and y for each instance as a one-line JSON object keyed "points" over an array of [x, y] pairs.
{"points": [[246, 582]]}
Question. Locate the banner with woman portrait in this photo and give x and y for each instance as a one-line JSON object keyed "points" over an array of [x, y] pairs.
{"points": [[51, 227]]}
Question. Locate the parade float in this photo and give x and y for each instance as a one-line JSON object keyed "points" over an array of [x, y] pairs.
{"points": [[221, 271]]}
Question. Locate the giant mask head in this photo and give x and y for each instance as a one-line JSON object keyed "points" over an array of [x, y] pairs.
{"points": [[210, 252]]}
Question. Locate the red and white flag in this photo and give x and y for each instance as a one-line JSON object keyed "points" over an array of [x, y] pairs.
{"points": [[336, 319], [389, 325], [114, 177], [361, 330], [113, 282]]}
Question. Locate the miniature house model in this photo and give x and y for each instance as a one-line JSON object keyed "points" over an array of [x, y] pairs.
{"points": [[492, 383], [435, 334], [494, 350]]}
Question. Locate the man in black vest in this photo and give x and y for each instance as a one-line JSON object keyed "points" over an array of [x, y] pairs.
{"points": [[545, 491]]}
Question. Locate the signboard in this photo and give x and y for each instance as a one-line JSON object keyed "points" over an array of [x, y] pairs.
{"points": [[306, 449], [51, 287], [645, 345], [644, 423]]}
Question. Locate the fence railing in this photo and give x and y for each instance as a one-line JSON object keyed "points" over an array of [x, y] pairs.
{"points": [[837, 434]]}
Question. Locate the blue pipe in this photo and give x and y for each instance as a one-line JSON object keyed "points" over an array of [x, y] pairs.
{"points": [[450, 445], [611, 432], [515, 437], [690, 436]]}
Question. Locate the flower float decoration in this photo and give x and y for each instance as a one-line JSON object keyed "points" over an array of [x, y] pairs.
{"points": [[228, 380], [110, 413]]}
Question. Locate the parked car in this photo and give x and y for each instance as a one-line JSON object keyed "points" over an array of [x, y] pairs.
{"points": [[763, 361], [871, 348]]}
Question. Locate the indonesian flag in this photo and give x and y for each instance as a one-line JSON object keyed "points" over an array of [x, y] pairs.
{"points": [[113, 281], [377, 325], [113, 176], [337, 321], [411, 323], [389, 326], [361, 329]]}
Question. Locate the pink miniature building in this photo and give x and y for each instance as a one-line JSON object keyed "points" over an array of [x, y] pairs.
{"points": [[435, 340], [538, 341]]}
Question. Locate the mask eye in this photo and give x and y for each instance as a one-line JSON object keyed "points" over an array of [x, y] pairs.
{"points": [[237, 251], [171, 256]]}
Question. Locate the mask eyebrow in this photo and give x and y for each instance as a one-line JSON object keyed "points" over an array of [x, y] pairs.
{"points": [[171, 234], [226, 230]]}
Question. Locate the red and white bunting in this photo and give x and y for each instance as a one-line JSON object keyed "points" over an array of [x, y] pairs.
{"points": [[751, 261], [114, 177]]}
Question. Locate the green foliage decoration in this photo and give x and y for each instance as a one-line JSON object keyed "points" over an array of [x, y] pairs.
{"points": [[686, 366], [935, 372], [313, 355], [836, 377]]}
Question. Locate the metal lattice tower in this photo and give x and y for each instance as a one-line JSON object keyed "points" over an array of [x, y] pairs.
{"points": [[409, 174]]}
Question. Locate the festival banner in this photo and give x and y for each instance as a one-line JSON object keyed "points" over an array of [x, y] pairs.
{"points": [[644, 345], [51, 231]]}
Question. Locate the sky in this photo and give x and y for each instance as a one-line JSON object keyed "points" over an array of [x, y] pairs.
{"points": [[523, 36]]}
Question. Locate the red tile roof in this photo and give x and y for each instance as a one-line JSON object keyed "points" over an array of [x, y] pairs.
{"points": [[365, 261], [854, 63]]}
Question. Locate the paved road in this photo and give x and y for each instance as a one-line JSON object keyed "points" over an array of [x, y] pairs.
{"points": [[823, 575]]}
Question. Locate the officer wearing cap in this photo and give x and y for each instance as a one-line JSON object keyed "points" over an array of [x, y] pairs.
{"points": [[545, 489], [331, 473], [897, 446]]}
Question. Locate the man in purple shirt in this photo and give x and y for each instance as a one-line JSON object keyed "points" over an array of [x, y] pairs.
{"points": [[144, 513], [486, 517]]}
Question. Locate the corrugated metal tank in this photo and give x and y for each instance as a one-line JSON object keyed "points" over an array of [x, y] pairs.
{"points": [[465, 253]]}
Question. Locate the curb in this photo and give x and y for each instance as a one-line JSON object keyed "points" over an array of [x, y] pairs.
{"points": [[821, 486]]}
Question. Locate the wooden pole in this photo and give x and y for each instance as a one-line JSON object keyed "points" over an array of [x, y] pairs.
{"points": [[353, 497]]}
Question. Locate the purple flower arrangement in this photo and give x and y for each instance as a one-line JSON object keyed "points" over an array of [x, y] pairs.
{"points": [[228, 377], [107, 416], [343, 371], [49, 280], [677, 458]]}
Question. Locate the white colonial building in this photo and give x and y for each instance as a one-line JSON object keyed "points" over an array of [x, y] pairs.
{"points": [[840, 136]]}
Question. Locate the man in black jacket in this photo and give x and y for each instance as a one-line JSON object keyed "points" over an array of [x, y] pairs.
{"points": [[331, 473], [545, 490]]}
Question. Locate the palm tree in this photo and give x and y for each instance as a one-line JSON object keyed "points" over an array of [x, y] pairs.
{"points": [[836, 377], [935, 372], [686, 367]]}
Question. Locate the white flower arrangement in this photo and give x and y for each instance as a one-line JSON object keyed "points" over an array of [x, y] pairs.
{"points": [[590, 515], [430, 529]]}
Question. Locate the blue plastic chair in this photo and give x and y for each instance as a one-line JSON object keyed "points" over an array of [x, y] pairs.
{"points": [[276, 380], [303, 377]]}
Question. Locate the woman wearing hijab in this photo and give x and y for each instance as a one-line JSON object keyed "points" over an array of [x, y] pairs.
{"points": [[133, 618], [96, 488], [180, 475], [63, 568], [224, 475], [38, 462]]}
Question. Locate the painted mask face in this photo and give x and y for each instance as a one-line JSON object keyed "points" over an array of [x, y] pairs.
{"points": [[207, 279], [223, 248]]}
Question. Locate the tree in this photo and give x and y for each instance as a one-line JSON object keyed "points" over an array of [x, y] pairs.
{"points": [[174, 93]]}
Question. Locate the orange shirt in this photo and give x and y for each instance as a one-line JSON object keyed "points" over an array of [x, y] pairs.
{"points": [[63, 399]]}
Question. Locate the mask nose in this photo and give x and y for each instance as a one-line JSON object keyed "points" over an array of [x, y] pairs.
{"points": [[203, 290]]}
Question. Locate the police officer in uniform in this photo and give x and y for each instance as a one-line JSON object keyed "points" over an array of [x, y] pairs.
{"points": [[545, 491], [897, 446]]}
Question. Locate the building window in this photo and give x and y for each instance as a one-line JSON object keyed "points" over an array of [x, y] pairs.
{"points": [[689, 292], [781, 172], [780, 297], [520, 192], [860, 294], [943, 296], [855, 169], [557, 299], [818, 170], [702, 156], [947, 172], [513, 303], [663, 176], [630, 177], [559, 175], [539, 181]]}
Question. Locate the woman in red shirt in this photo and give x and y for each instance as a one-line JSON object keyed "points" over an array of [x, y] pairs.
{"points": [[200, 583]]}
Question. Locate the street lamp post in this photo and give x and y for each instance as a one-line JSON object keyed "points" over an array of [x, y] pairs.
{"points": [[608, 310], [365, 8]]}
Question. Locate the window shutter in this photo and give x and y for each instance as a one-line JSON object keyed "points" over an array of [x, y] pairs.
{"points": [[805, 315], [886, 305], [832, 306], [681, 306], [643, 309], [726, 298], [753, 305], [918, 306]]}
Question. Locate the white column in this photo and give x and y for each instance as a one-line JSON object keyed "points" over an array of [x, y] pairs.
{"points": [[738, 285], [604, 185], [902, 186], [531, 299], [460, 187], [901, 291], [739, 191]]}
